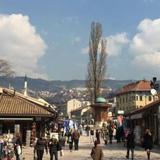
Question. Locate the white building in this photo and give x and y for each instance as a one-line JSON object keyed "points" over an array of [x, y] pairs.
{"points": [[73, 104]]}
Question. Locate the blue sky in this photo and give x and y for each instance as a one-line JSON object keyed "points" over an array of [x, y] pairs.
{"points": [[49, 39]]}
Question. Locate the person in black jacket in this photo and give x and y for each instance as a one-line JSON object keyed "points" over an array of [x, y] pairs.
{"points": [[148, 142], [18, 147], [97, 136], [130, 144], [41, 144], [54, 147]]}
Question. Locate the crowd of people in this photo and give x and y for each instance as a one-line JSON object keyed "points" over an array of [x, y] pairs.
{"points": [[128, 139], [53, 145], [10, 147]]}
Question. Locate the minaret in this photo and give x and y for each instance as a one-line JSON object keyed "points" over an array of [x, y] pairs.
{"points": [[25, 85]]}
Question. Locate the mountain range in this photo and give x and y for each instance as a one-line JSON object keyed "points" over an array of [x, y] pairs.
{"points": [[55, 85]]}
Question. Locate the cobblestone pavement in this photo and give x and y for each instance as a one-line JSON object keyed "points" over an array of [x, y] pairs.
{"points": [[111, 152]]}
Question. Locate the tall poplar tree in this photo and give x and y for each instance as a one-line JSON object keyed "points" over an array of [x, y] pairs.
{"points": [[97, 61]]}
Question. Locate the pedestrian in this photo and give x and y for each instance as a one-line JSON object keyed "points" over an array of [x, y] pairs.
{"points": [[110, 132], [97, 136], [96, 152], [130, 144], [41, 144], [18, 146], [76, 136], [54, 147], [87, 130], [92, 135], [70, 141], [148, 142]]}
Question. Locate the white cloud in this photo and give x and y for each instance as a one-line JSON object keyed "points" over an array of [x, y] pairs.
{"points": [[115, 43], [21, 45], [145, 46]]}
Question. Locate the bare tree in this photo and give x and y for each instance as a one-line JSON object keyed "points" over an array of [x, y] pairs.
{"points": [[97, 61], [5, 68]]}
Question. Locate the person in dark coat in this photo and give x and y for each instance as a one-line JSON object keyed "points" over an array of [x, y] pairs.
{"points": [[148, 142], [97, 136], [41, 144], [96, 152], [54, 147], [130, 144], [70, 141], [76, 136], [18, 147], [110, 131]]}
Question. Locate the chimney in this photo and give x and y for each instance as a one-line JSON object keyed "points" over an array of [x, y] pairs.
{"points": [[25, 85]]}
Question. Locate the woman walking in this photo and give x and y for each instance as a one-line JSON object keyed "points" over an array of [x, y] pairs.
{"points": [[148, 142]]}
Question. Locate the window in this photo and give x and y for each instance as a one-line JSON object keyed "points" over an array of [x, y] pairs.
{"points": [[136, 98], [150, 98], [140, 97]]}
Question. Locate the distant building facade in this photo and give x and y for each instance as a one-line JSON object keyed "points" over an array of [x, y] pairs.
{"points": [[73, 104], [134, 95]]}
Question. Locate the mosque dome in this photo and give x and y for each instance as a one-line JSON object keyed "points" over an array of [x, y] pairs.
{"points": [[101, 100]]}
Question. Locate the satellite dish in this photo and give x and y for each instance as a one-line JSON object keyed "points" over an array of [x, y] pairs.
{"points": [[153, 92]]}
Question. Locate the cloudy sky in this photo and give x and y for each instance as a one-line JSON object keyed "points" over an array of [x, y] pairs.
{"points": [[49, 39]]}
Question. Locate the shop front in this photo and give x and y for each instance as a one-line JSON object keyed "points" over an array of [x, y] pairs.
{"points": [[22, 115], [146, 117]]}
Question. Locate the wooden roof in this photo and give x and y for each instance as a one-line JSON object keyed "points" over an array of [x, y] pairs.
{"points": [[12, 104]]}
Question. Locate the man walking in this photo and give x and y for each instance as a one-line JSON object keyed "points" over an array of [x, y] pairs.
{"points": [[76, 136], [130, 144]]}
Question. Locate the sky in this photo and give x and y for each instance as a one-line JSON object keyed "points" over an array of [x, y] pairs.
{"points": [[49, 39]]}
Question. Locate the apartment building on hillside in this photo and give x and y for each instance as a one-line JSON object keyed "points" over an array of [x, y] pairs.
{"points": [[133, 96]]}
